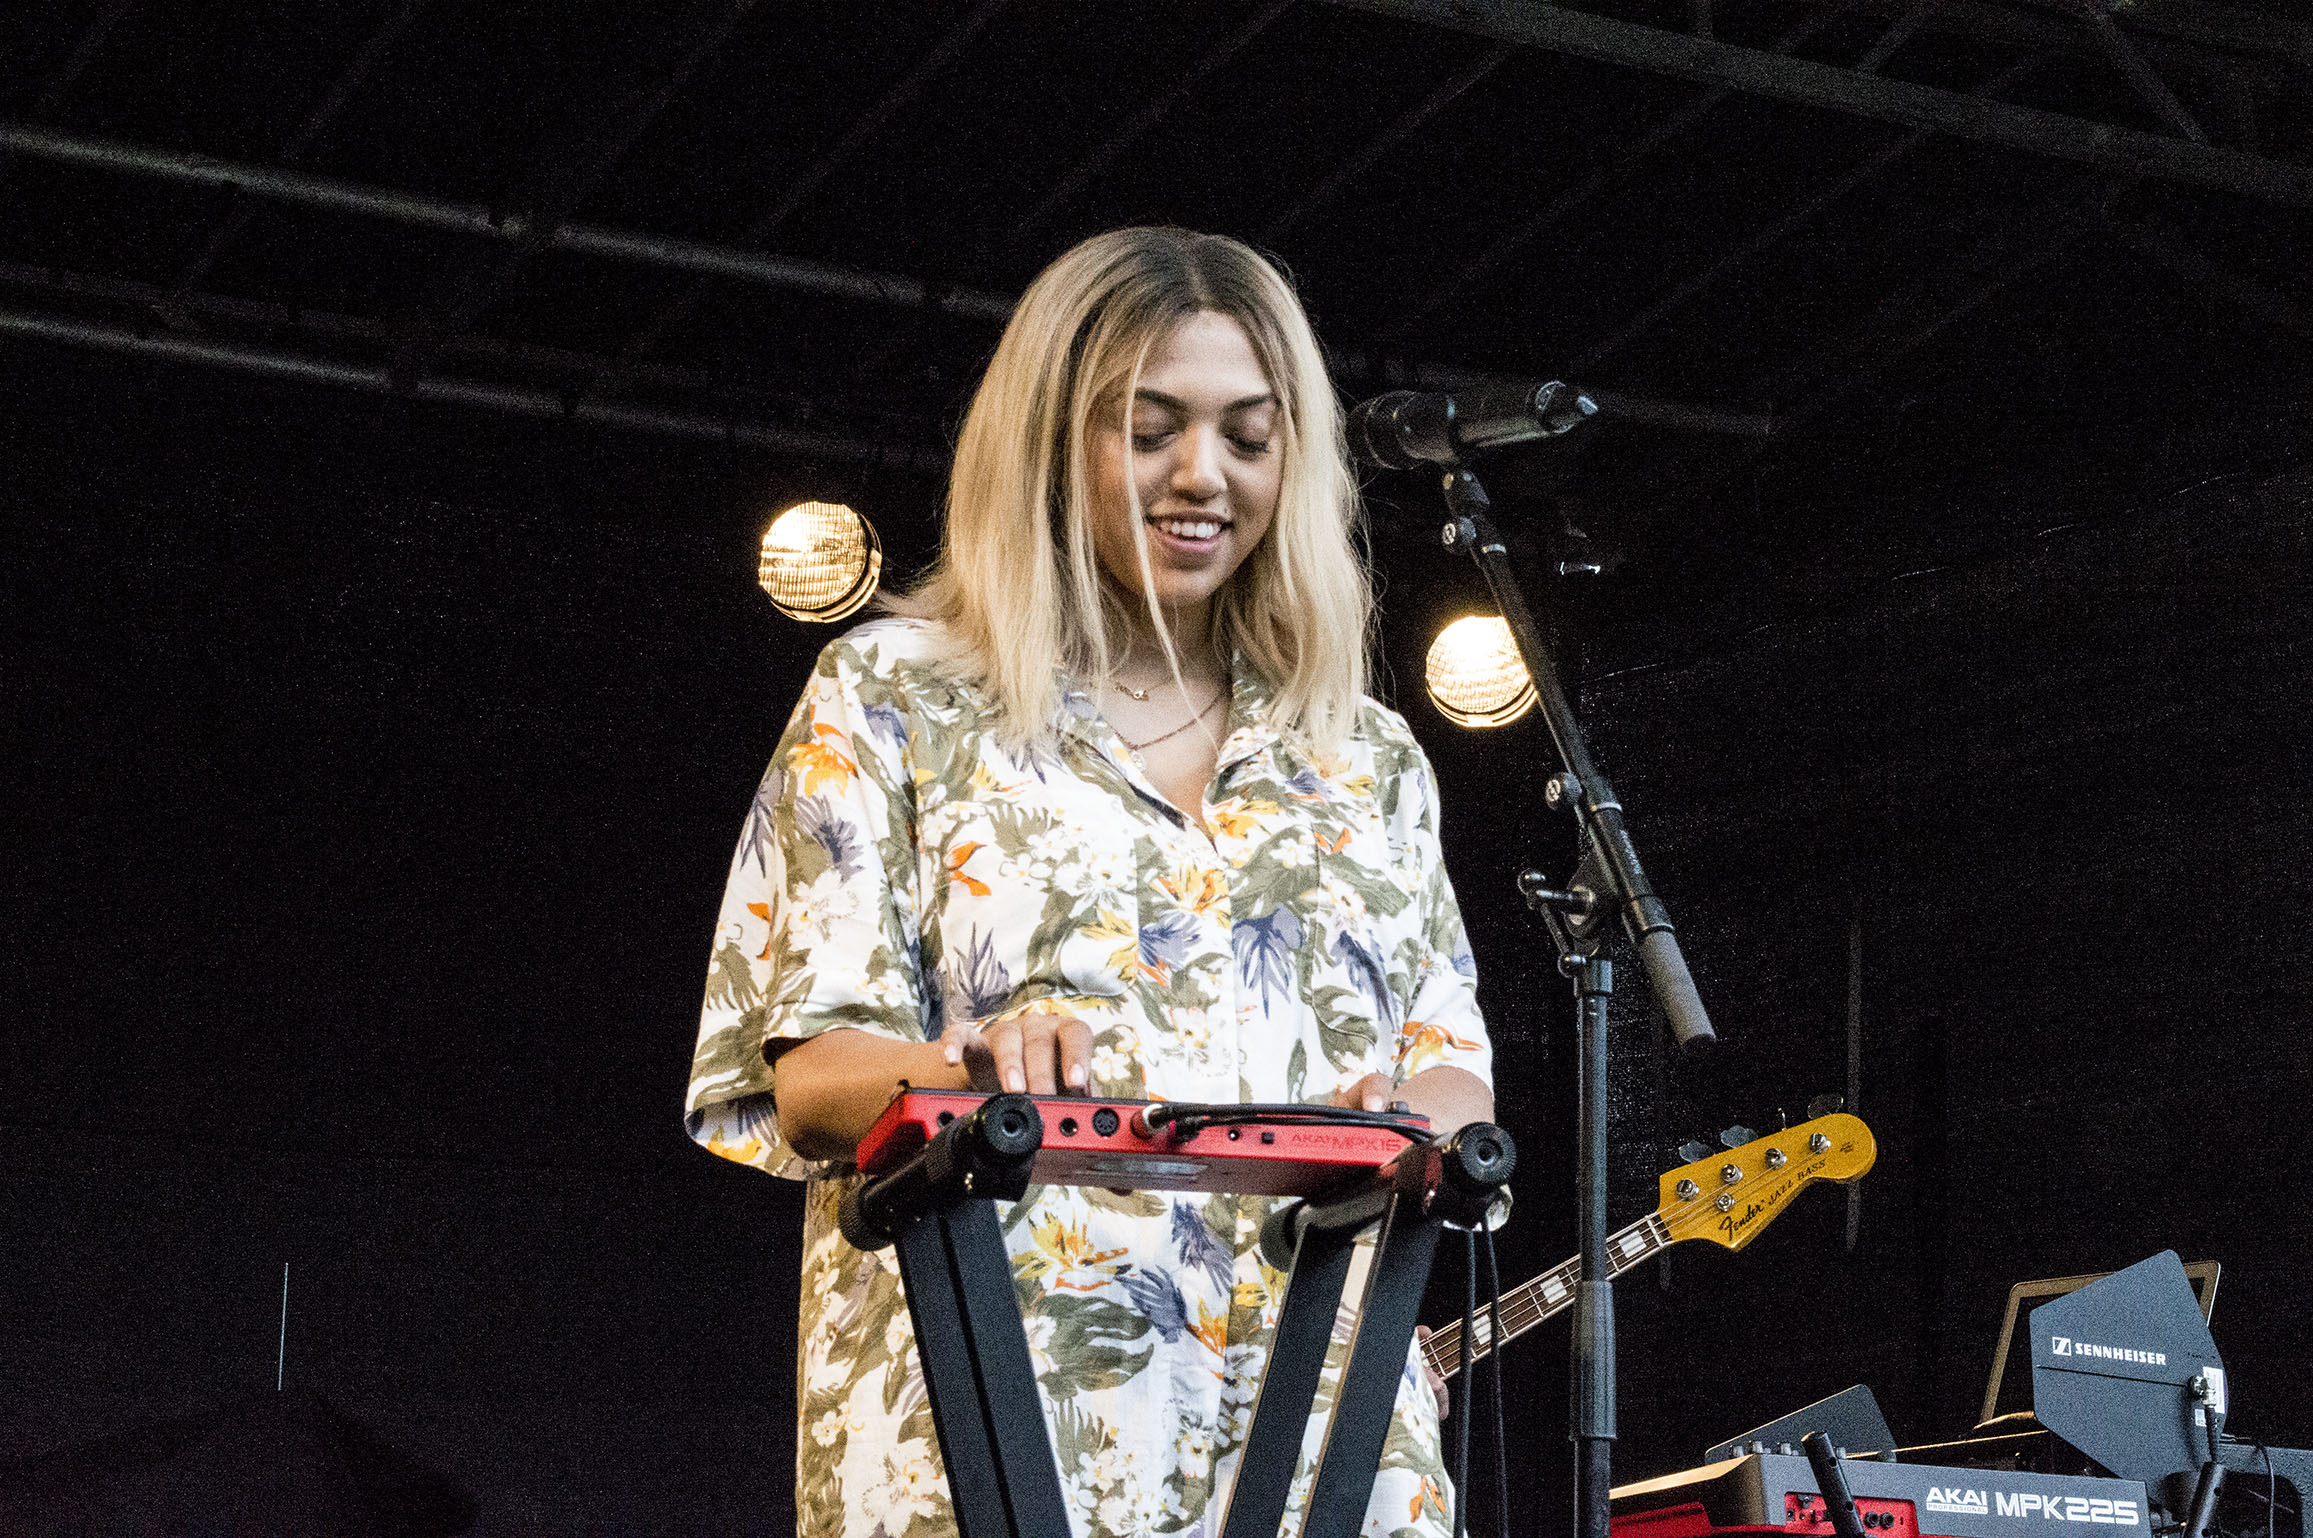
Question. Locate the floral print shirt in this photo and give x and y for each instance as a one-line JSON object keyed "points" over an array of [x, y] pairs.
{"points": [[901, 870]]}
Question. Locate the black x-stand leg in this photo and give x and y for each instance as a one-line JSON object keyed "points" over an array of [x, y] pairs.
{"points": [[935, 1210], [1315, 1243], [1002, 1477]]}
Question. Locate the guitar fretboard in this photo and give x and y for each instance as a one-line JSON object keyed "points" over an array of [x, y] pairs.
{"points": [[1528, 1304]]}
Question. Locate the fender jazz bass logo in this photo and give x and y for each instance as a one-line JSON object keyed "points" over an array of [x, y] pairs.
{"points": [[1733, 1224]]}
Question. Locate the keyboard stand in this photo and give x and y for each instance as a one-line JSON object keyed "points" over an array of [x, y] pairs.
{"points": [[989, 1415], [1316, 1244], [934, 1210]]}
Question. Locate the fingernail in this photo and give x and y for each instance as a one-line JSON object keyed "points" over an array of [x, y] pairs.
{"points": [[1015, 1083], [1376, 1103], [1076, 1075], [954, 1052]]}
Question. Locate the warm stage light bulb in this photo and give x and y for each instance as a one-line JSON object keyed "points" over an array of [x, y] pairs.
{"points": [[1474, 675], [820, 561]]}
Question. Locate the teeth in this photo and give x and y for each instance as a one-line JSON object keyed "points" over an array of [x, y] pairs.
{"points": [[1183, 528]]}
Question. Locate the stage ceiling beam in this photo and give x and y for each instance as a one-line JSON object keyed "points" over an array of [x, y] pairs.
{"points": [[612, 381], [67, 74], [989, 252], [2234, 29], [1603, 178], [1151, 113], [293, 151], [518, 400], [268, 320], [1772, 235], [562, 184], [1407, 124], [84, 50], [284, 185], [2141, 77], [2263, 58], [2106, 146]]}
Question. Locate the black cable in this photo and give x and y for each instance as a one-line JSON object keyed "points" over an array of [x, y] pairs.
{"points": [[1188, 1119], [2272, 1495], [1461, 1464], [1494, 1373]]}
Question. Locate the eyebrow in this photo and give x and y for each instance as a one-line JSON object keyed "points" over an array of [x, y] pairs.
{"points": [[1175, 403]]}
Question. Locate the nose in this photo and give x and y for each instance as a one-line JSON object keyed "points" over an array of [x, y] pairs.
{"points": [[1197, 464]]}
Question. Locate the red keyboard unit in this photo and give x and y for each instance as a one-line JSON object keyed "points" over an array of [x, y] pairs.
{"points": [[1109, 1143]]}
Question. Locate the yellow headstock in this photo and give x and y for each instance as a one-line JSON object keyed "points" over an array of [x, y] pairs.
{"points": [[1729, 1197]]}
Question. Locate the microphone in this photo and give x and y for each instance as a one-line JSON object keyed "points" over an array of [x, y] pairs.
{"points": [[1406, 429]]}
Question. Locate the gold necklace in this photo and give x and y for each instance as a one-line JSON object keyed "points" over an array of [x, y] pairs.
{"points": [[1142, 695], [1176, 731]]}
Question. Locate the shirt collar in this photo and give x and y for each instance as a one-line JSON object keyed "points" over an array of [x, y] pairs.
{"points": [[1250, 728]]}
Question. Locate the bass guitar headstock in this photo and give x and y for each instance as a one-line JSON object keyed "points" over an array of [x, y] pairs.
{"points": [[1729, 1197]]}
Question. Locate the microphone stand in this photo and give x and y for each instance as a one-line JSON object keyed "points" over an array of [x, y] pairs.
{"points": [[1607, 880]]}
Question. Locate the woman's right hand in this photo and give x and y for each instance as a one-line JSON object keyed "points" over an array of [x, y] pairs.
{"points": [[1036, 1052]]}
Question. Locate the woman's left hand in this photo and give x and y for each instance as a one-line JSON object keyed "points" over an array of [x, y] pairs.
{"points": [[1374, 1092], [1449, 1097]]}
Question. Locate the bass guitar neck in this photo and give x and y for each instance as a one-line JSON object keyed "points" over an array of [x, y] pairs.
{"points": [[1728, 1199]]}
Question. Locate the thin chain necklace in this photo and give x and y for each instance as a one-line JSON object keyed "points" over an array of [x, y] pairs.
{"points": [[1176, 731], [1141, 695]]}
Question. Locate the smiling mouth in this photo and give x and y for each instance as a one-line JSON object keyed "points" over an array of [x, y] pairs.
{"points": [[1189, 528]]}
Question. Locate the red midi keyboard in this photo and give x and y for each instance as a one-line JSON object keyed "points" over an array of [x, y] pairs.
{"points": [[1775, 1493], [1259, 1150]]}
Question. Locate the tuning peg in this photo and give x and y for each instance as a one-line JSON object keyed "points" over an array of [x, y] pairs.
{"points": [[1694, 1152], [1736, 1136], [1825, 1105]]}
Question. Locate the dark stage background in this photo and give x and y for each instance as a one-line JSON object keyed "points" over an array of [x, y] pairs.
{"points": [[375, 773], [378, 720]]}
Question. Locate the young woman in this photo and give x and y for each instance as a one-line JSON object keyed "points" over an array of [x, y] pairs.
{"points": [[1105, 811]]}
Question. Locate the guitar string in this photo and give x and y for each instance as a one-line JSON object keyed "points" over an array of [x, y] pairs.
{"points": [[1520, 1312], [1526, 1305], [1653, 1232], [1445, 1342]]}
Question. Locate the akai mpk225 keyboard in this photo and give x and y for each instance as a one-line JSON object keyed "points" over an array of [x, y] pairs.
{"points": [[1775, 1492]]}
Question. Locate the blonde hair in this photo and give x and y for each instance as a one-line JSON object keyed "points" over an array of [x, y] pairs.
{"points": [[1018, 585]]}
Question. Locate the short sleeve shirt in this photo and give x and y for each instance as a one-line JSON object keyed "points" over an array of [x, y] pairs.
{"points": [[902, 870]]}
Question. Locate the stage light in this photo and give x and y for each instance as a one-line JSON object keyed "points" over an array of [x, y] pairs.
{"points": [[1474, 675], [820, 561]]}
